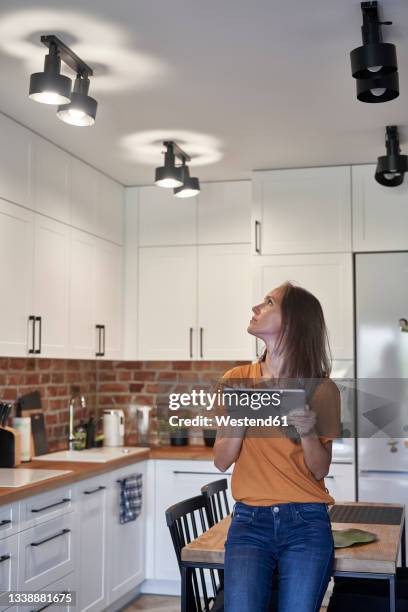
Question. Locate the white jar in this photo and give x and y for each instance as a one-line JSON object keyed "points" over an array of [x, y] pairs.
{"points": [[23, 425]]}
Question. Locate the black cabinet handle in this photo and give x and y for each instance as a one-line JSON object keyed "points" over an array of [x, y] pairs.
{"points": [[57, 535], [5, 522], [202, 473], [104, 339], [4, 558], [191, 342], [31, 319], [201, 341], [257, 237], [39, 319], [49, 604], [99, 351], [101, 488], [63, 501]]}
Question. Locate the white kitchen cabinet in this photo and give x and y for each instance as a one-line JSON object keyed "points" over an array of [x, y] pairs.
{"points": [[51, 180], [16, 272], [51, 285], [126, 542], [109, 218], [9, 520], [306, 210], [15, 162], [95, 297], [224, 212], [46, 552], [340, 482], [328, 276], [380, 214], [97, 203], [39, 509], [92, 542], [82, 334], [224, 301], [8, 565], [107, 289], [167, 302], [165, 220], [66, 584], [175, 481]]}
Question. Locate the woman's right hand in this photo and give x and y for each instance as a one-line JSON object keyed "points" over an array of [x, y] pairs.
{"points": [[227, 448]]}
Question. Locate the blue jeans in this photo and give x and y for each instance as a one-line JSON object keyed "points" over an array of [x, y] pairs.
{"points": [[295, 537]]}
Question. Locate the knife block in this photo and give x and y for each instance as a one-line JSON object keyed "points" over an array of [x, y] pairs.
{"points": [[10, 447]]}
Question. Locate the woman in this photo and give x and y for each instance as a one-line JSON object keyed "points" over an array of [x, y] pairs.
{"points": [[280, 516]]}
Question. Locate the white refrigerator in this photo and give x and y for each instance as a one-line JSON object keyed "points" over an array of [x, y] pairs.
{"points": [[381, 294]]}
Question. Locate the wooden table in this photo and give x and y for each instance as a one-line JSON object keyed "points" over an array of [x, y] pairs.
{"points": [[377, 560]]}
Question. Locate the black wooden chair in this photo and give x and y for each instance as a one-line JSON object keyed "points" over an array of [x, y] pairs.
{"points": [[186, 521], [215, 495]]}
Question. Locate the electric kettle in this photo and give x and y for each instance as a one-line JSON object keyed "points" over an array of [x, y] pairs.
{"points": [[113, 427]]}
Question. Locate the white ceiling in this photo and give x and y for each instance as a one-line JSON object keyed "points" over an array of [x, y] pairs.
{"points": [[244, 84]]}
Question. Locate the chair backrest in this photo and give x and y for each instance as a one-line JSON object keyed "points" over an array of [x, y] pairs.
{"points": [[216, 500], [186, 521]]}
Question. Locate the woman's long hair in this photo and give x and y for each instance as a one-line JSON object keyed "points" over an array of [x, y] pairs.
{"points": [[303, 339]]}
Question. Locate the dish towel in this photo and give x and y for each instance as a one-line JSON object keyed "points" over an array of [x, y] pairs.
{"points": [[130, 505]]}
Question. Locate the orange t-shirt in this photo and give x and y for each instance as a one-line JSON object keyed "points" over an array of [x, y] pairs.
{"points": [[272, 470]]}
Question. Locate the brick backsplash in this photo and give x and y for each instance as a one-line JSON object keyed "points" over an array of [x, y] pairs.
{"points": [[105, 384]]}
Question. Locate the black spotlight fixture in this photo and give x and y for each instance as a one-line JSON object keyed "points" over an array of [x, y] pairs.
{"points": [[170, 175], [51, 87], [81, 110], [190, 186], [391, 168], [374, 64]]}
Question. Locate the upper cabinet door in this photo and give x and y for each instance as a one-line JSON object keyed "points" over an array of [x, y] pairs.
{"points": [[83, 196], [16, 270], [51, 284], [15, 160], [167, 303], [108, 296], [380, 214], [165, 220], [305, 210], [97, 203], [224, 301], [51, 180], [81, 295], [224, 212], [328, 276], [109, 211]]}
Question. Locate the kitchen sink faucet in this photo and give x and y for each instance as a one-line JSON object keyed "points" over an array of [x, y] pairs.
{"points": [[72, 402]]}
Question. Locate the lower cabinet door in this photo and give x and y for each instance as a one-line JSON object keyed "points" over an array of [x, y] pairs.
{"points": [[127, 540], [340, 482], [92, 506], [46, 553], [176, 481], [64, 587], [8, 567]]}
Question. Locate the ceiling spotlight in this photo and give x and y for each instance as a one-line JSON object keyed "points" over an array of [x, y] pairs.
{"points": [[81, 110], [191, 185], [374, 64], [391, 168], [169, 175], [50, 87]]}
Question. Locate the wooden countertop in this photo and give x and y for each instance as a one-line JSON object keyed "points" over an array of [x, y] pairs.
{"points": [[376, 557], [82, 470]]}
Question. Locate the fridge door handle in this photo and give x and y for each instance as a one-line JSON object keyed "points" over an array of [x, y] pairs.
{"points": [[384, 472]]}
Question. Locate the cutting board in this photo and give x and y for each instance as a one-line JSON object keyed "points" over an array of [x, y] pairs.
{"points": [[39, 436]]}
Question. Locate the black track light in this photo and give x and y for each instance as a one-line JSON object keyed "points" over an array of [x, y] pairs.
{"points": [[374, 64], [391, 168], [190, 186], [169, 175], [81, 110], [50, 87]]}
